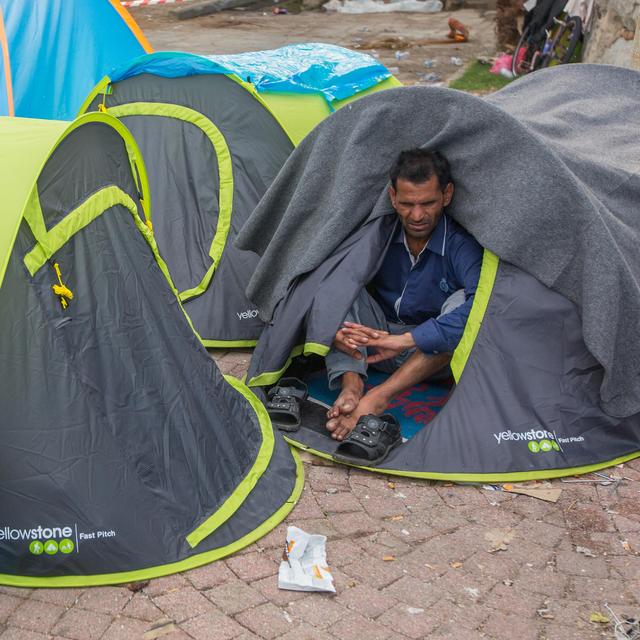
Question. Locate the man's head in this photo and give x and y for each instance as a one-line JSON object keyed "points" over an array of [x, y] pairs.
{"points": [[420, 189]]}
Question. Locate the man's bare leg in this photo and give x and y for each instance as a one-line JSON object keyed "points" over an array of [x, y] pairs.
{"points": [[418, 367], [347, 402]]}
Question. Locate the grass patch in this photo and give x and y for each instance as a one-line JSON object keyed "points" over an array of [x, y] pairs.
{"points": [[477, 77]]}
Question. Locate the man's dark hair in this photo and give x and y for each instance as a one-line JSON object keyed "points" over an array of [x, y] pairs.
{"points": [[418, 165]]}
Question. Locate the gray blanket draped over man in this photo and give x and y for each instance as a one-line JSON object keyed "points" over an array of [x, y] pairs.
{"points": [[547, 175]]}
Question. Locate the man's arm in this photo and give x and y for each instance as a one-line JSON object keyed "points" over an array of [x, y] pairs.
{"points": [[442, 334]]}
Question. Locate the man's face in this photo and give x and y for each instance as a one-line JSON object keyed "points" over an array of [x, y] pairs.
{"points": [[420, 205]]}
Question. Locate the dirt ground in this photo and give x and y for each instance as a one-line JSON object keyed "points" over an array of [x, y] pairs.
{"points": [[418, 34]]}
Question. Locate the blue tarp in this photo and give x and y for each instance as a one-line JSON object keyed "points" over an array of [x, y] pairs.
{"points": [[333, 71], [58, 50]]}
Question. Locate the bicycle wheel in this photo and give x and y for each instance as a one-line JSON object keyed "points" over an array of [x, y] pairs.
{"points": [[525, 55], [564, 41]]}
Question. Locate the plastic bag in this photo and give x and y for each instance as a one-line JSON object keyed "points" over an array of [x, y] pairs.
{"points": [[502, 65]]}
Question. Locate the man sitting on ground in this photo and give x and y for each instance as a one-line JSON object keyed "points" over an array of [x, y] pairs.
{"points": [[421, 299]]}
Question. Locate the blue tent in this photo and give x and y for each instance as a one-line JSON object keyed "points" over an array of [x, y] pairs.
{"points": [[52, 52]]}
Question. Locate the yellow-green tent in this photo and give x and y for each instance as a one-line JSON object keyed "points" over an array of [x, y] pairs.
{"points": [[125, 452]]}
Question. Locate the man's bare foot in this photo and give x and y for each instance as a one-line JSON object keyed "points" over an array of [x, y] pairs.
{"points": [[347, 401], [375, 402]]}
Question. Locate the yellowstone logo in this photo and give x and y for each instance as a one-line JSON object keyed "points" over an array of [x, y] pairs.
{"points": [[249, 314], [538, 440], [47, 540], [35, 533], [52, 540], [524, 436]]}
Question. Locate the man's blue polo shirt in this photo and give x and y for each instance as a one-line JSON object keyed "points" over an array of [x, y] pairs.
{"points": [[414, 293]]}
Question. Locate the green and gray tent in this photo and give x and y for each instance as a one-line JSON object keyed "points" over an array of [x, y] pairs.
{"points": [[547, 177], [214, 132], [125, 453]]}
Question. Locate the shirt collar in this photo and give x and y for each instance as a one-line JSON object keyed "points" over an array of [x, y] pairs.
{"points": [[438, 240]]}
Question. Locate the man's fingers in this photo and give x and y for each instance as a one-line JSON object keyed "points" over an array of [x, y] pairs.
{"points": [[356, 337], [358, 334], [353, 327]]}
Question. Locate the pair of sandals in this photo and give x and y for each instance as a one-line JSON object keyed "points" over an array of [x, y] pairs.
{"points": [[369, 442]]}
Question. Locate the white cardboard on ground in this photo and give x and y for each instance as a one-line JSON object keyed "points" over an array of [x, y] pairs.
{"points": [[304, 567]]}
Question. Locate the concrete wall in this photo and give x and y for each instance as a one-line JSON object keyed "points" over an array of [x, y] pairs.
{"points": [[612, 32]]}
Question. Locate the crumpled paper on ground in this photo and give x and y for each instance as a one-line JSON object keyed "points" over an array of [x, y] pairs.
{"points": [[304, 565]]}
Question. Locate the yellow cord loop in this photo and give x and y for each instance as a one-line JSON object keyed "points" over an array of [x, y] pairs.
{"points": [[61, 289], [102, 106]]}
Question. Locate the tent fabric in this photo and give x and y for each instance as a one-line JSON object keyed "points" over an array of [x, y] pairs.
{"points": [[333, 71], [53, 51], [126, 454], [546, 175], [214, 144]]}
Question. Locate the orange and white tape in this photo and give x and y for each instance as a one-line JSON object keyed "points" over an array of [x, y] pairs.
{"points": [[142, 3]]}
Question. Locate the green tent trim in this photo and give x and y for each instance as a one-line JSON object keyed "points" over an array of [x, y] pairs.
{"points": [[520, 476], [18, 184], [103, 88], [227, 344], [225, 172], [247, 484], [271, 377], [49, 242], [488, 273]]}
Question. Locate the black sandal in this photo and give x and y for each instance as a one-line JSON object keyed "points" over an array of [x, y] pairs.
{"points": [[370, 441], [283, 404]]}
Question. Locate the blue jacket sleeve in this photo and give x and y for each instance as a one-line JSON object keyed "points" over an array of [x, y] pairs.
{"points": [[442, 334]]}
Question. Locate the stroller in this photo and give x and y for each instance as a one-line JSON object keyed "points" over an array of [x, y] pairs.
{"points": [[549, 37]]}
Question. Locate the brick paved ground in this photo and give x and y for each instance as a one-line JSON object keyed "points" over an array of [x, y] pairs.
{"points": [[411, 559]]}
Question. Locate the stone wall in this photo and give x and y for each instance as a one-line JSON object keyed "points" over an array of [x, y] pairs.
{"points": [[611, 40]]}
